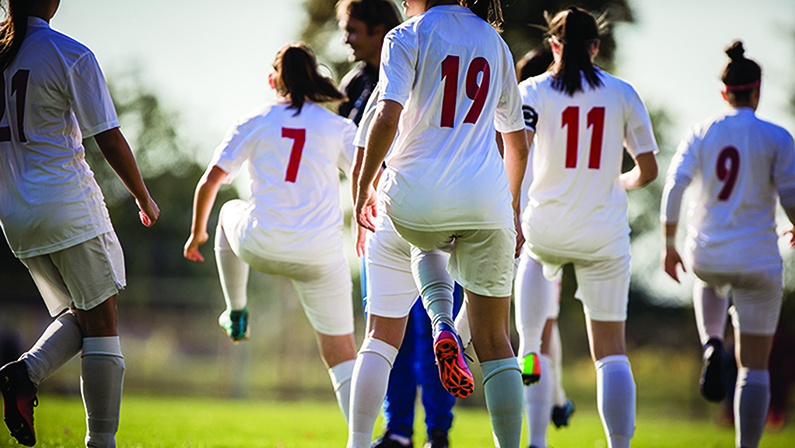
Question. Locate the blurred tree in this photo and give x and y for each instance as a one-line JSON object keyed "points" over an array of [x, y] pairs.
{"points": [[523, 29]]}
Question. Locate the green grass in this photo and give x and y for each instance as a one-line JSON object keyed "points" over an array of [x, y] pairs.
{"points": [[154, 422]]}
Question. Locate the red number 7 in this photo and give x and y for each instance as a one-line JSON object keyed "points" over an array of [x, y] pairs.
{"points": [[299, 138]]}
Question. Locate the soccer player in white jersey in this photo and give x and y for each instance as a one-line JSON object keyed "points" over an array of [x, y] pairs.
{"points": [[577, 209], [739, 166], [534, 295], [54, 217], [292, 224], [447, 82]]}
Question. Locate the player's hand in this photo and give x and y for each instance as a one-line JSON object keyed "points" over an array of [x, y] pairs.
{"points": [[520, 240], [671, 260], [361, 237], [366, 208], [791, 234], [191, 251], [148, 212]]}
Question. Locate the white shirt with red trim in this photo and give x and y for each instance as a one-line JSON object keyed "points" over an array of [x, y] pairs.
{"points": [[294, 212], [739, 167], [454, 77], [54, 96], [577, 206]]}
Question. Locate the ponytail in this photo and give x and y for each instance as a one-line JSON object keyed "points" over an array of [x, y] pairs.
{"points": [[298, 78], [575, 31], [13, 30], [741, 75]]}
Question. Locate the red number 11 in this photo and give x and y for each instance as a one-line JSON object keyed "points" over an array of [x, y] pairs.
{"points": [[571, 121]]}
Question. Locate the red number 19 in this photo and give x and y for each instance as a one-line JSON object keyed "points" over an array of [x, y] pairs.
{"points": [[475, 92]]}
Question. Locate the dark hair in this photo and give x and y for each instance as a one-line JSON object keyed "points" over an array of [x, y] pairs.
{"points": [[371, 12], [534, 63], [13, 30], [576, 31], [740, 72], [488, 10], [297, 76]]}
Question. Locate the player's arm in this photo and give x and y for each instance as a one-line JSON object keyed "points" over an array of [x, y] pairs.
{"points": [[203, 200], [116, 150], [645, 171], [379, 138], [671, 205], [516, 152]]}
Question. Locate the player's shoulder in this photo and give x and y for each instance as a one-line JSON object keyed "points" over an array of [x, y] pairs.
{"points": [[613, 82], [536, 82], [55, 44]]}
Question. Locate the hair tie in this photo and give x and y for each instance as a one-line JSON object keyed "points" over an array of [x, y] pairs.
{"points": [[728, 88]]}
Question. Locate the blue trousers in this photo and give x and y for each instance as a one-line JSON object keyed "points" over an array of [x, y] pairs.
{"points": [[415, 366]]}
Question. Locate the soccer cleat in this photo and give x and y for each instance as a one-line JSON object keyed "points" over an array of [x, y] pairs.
{"points": [[19, 399], [235, 324], [388, 441], [531, 369], [453, 370], [712, 385], [561, 414], [437, 439]]}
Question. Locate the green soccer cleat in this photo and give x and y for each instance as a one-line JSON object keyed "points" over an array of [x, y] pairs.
{"points": [[235, 324], [531, 369]]}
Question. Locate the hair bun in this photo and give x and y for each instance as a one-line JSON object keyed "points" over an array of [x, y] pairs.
{"points": [[736, 51]]}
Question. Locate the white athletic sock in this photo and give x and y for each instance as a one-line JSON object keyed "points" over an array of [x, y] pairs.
{"points": [[435, 284], [232, 271], [341, 380], [751, 403], [538, 404], [502, 386], [368, 389], [615, 399], [554, 348], [711, 312], [462, 326], [60, 342], [533, 302], [101, 385]]}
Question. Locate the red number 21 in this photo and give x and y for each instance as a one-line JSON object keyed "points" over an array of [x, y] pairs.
{"points": [[475, 92], [299, 138], [596, 121]]}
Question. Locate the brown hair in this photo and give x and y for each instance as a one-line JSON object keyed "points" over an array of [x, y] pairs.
{"points": [[488, 10], [297, 77], [741, 75], [576, 31], [13, 30], [371, 12]]}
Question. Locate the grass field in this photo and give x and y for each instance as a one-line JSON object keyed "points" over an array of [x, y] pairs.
{"points": [[152, 422]]}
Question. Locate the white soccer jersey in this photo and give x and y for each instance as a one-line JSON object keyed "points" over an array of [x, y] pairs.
{"points": [[738, 166], [294, 163], [577, 205], [454, 77], [54, 96]]}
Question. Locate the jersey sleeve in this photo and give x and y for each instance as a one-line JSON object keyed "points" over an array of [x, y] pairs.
{"points": [[680, 173], [398, 62], [367, 119], [529, 104], [233, 150], [508, 115], [345, 162], [784, 171], [638, 134], [90, 97]]}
